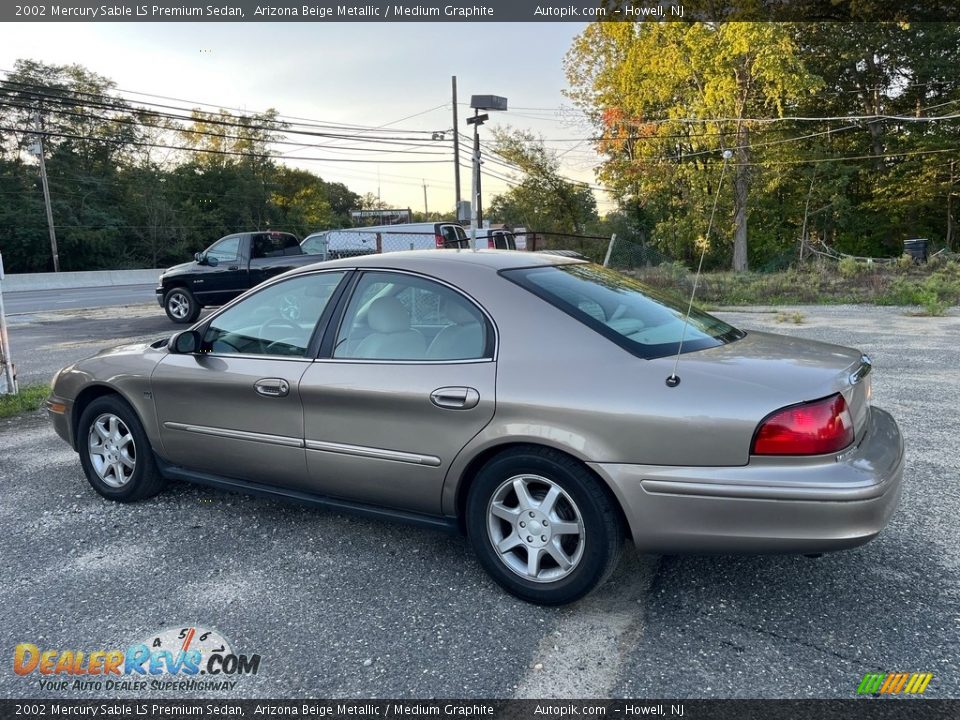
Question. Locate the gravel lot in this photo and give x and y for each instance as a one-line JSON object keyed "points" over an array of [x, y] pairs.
{"points": [[343, 607]]}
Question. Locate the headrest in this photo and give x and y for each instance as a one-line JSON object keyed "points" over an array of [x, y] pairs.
{"points": [[388, 315], [458, 313]]}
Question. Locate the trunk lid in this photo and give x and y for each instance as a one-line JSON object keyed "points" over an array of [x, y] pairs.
{"points": [[788, 370]]}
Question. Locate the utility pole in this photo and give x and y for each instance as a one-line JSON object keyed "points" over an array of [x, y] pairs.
{"points": [[456, 152], [478, 103], [426, 210], [476, 160], [38, 146], [475, 218]]}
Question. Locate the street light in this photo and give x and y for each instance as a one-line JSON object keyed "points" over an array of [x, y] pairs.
{"points": [[478, 103]]}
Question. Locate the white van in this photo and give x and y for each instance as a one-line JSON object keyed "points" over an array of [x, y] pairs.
{"points": [[495, 239], [385, 238]]}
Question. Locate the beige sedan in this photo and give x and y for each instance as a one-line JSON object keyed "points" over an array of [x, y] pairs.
{"points": [[527, 400]]}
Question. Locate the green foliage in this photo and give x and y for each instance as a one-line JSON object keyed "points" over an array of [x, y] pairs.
{"points": [[543, 200], [29, 398], [935, 293], [117, 202], [666, 97], [851, 267], [935, 290]]}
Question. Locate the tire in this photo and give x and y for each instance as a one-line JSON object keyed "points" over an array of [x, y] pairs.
{"points": [[561, 495], [125, 470], [181, 306]]}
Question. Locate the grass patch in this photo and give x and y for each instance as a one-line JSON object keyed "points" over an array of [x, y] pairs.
{"points": [[934, 287], [29, 398]]}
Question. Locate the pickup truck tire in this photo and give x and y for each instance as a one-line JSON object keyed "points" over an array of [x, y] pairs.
{"points": [[181, 306]]}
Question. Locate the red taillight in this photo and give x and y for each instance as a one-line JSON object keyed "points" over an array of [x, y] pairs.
{"points": [[491, 244], [814, 428], [438, 239]]}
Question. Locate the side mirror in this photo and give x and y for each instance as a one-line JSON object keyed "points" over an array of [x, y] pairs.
{"points": [[187, 342], [211, 260]]}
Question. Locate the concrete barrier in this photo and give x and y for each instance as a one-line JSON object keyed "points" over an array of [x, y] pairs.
{"points": [[65, 280]]}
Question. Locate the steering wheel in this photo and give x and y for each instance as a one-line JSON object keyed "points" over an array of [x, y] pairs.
{"points": [[278, 322], [290, 307]]}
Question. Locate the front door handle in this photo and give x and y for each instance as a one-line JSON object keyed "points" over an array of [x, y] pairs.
{"points": [[455, 398], [272, 387]]}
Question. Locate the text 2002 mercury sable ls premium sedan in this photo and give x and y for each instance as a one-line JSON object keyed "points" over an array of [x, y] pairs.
{"points": [[520, 397]]}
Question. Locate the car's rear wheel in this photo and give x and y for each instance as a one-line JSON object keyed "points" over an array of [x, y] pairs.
{"points": [[543, 526], [115, 453], [181, 306]]}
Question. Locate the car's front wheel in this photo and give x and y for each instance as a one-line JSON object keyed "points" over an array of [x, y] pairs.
{"points": [[181, 306], [115, 452], [543, 526]]}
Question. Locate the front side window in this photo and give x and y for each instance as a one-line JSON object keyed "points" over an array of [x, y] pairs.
{"points": [[393, 316], [623, 309], [278, 320], [226, 249]]}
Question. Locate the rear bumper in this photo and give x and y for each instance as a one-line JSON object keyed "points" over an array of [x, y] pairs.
{"points": [[810, 506], [160, 293]]}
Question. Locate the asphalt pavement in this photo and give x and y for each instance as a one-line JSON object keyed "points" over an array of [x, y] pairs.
{"points": [[29, 301], [344, 607]]}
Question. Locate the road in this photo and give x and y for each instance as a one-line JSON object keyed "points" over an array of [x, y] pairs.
{"points": [[344, 607], [28, 301]]}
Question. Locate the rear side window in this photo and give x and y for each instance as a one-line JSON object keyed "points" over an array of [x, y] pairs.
{"points": [[268, 245], [394, 316], [623, 309]]}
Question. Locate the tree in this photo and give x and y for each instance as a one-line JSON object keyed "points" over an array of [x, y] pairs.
{"points": [[543, 200], [668, 97]]}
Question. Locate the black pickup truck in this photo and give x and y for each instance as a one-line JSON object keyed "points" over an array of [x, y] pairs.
{"points": [[229, 267]]}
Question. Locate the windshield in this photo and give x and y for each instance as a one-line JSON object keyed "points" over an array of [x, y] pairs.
{"points": [[623, 309]]}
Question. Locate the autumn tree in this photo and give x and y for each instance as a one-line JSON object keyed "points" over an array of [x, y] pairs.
{"points": [[668, 98]]}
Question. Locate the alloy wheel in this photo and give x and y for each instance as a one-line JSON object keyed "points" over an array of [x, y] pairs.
{"points": [[536, 528], [113, 452]]}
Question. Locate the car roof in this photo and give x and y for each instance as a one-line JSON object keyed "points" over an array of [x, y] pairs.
{"points": [[424, 260]]}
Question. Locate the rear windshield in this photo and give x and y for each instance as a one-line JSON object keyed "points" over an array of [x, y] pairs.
{"points": [[454, 236], [623, 309]]}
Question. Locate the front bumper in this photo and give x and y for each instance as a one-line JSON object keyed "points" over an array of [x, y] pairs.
{"points": [[60, 411], [769, 505]]}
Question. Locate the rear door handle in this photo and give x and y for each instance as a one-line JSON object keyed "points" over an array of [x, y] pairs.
{"points": [[455, 398], [272, 387]]}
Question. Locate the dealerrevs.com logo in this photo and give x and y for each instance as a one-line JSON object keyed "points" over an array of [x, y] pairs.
{"points": [[187, 658]]}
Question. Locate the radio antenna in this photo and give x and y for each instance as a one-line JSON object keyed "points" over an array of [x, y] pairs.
{"points": [[673, 379]]}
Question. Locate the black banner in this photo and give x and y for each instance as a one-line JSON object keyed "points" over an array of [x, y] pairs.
{"points": [[859, 709], [482, 11]]}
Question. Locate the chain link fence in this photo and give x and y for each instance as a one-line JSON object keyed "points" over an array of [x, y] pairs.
{"points": [[620, 253]]}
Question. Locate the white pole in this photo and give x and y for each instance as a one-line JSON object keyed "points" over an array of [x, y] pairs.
{"points": [[606, 260], [9, 378], [476, 189]]}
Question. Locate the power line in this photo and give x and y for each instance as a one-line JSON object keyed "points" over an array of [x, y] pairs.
{"points": [[184, 148]]}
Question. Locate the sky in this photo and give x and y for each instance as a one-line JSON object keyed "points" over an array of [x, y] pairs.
{"points": [[361, 73]]}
